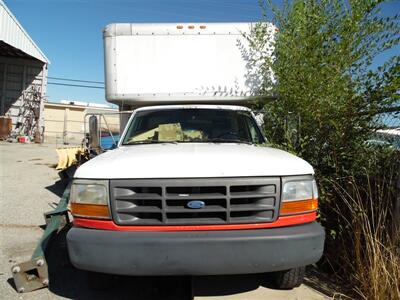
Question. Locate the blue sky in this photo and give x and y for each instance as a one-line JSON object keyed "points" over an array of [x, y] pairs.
{"points": [[69, 32]]}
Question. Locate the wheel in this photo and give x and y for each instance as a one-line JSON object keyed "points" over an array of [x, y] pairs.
{"points": [[289, 279]]}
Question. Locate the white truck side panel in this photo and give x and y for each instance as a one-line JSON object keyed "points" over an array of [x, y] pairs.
{"points": [[160, 63]]}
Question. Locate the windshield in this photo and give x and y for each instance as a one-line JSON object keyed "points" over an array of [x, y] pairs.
{"points": [[193, 125]]}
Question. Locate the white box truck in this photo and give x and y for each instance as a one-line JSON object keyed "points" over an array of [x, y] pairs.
{"points": [[191, 188]]}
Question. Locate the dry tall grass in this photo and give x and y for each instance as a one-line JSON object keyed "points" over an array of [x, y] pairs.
{"points": [[371, 246]]}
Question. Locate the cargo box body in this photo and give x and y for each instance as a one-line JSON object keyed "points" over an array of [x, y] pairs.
{"points": [[179, 63]]}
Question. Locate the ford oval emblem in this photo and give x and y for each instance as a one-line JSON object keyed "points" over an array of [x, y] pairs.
{"points": [[196, 204]]}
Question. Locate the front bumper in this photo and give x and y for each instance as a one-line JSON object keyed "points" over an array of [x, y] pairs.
{"points": [[195, 253]]}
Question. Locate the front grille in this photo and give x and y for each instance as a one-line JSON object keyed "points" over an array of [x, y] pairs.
{"points": [[165, 201]]}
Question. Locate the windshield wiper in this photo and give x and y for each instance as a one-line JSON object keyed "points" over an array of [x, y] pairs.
{"points": [[214, 140], [222, 140], [149, 142]]}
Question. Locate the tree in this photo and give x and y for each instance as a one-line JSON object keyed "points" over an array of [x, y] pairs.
{"points": [[326, 76], [330, 87]]}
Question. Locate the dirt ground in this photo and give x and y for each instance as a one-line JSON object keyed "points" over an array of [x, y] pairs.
{"points": [[29, 188]]}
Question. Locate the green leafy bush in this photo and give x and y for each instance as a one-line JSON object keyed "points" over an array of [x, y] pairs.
{"points": [[329, 89]]}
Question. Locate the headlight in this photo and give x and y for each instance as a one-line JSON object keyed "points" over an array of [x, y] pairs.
{"points": [[89, 198], [299, 196]]}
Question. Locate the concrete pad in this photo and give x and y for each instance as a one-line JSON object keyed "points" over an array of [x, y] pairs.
{"points": [[27, 182]]}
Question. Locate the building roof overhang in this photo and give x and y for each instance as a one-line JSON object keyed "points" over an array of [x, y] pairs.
{"points": [[14, 35]]}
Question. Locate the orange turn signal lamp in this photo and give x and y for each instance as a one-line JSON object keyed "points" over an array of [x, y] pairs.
{"points": [[99, 211], [297, 207]]}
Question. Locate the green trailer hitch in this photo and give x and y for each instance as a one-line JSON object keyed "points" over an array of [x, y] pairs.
{"points": [[33, 274]]}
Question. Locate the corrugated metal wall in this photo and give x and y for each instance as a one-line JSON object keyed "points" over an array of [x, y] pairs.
{"points": [[19, 78]]}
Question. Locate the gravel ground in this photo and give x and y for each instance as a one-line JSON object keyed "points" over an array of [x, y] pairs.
{"points": [[28, 188]]}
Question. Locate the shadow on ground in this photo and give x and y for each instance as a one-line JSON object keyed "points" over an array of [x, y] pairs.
{"points": [[58, 187], [69, 282], [327, 284]]}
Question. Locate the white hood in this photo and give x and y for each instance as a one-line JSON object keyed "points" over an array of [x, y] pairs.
{"points": [[192, 160]]}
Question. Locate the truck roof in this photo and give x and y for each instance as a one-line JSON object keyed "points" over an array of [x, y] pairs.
{"points": [[193, 106]]}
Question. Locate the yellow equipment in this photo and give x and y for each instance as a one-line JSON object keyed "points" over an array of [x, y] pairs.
{"points": [[68, 157]]}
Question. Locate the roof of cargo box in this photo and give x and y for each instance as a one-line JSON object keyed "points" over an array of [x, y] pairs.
{"points": [[160, 63], [120, 29]]}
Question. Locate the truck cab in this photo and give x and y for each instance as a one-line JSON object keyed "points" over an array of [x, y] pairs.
{"points": [[193, 189]]}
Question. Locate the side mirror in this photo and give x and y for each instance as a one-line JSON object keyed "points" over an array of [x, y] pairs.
{"points": [[94, 138]]}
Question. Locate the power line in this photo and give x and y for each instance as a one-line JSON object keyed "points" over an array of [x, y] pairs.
{"points": [[75, 80], [77, 85]]}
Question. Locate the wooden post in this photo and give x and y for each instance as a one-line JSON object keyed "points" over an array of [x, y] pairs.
{"points": [[65, 131], [3, 92]]}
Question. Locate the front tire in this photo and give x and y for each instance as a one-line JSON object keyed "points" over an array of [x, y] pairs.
{"points": [[289, 279]]}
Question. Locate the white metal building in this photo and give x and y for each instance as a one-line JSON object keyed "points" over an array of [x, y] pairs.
{"points": [[23, 77]]}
